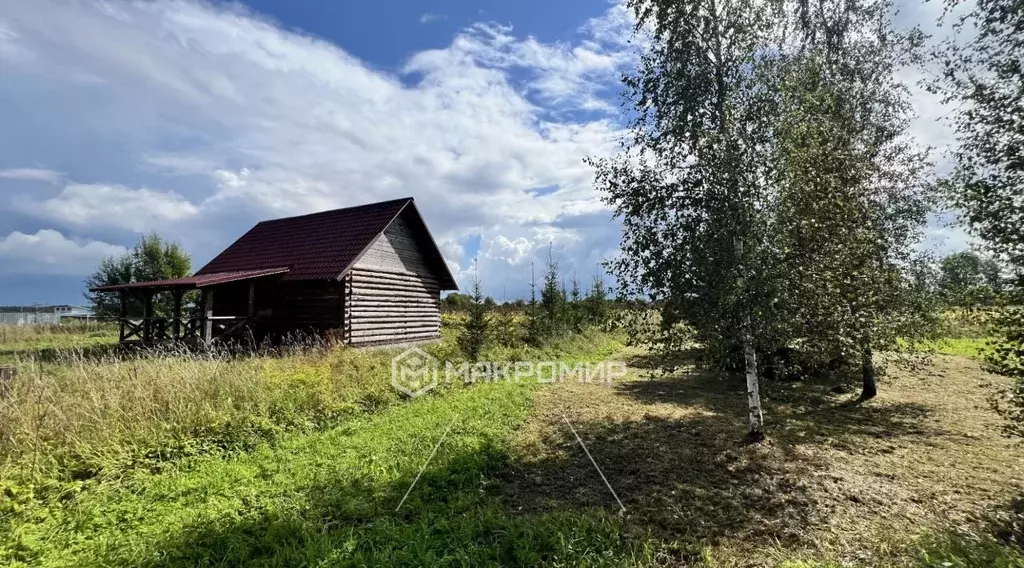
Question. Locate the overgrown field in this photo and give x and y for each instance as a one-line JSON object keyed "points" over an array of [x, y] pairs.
{"points": [[302, 457], [43, 341]]}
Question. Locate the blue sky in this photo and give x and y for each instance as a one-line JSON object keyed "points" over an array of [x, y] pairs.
{"points": [[198, 119]]}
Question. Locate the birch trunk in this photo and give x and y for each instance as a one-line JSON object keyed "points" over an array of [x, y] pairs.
{"points": [[753, 387], [754, 414], [870, 387]]}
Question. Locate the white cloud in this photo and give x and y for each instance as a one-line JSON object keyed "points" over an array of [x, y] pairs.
{"points": [[512, 252], [140, 210], [613, 28], [32, 174], [945, 235], [510, 257], [429, 17], [173, 164], [50, 252], [569, 75]]}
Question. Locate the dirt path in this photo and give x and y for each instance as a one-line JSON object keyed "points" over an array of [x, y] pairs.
{"points": [[852, 483]]}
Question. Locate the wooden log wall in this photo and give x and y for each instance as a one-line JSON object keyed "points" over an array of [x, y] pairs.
{"points": [[305, 305], [392, 294]]}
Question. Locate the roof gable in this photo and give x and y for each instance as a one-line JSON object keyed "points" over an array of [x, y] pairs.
{"points": [[319, 246]]}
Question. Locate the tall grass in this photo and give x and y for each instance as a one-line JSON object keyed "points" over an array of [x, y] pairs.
{"points": [[73, 415], [28, 333], [968, 323], [80, 416], [105, 459], [19, 342]]}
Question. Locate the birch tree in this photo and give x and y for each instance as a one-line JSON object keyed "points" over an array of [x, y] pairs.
{"points": [[854, 186], [691, 190], [983, 76], [769, 193]]}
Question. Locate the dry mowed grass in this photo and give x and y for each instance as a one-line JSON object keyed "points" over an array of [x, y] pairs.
{"points": [[837, 482]]}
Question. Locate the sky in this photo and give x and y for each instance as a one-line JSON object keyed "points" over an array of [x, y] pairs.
{"points": [[197, 119]]}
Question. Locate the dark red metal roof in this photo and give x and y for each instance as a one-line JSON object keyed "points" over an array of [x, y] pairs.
{"points": [[197, 281], [320, 246]]}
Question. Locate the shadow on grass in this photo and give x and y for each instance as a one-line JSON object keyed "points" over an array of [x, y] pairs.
{"points": [[679, 479], [689, 476], [451, 517], [457, 515], [657, 362], [809, 409]]}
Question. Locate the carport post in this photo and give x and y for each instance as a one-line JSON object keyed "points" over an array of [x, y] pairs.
{"points": [[207, 315], [122, 311], [147, 318], [176, 319]]}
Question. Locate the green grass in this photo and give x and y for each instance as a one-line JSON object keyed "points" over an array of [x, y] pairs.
{"points": [[971, 347], [20, 342], [326, 498], [320, 491], [79, 418]]}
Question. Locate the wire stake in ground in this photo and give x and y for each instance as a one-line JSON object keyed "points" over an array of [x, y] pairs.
{"points": [[599, 472], [426, 463]]}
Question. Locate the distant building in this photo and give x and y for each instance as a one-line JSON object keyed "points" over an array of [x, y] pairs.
{"points": [[74, 312], [43, 314]]}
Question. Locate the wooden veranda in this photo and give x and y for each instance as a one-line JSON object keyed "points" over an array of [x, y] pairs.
{"points": [[202, 325]]}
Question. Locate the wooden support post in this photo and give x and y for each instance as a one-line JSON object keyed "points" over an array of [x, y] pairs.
{"points": [[147, 318], [250, 315], [176, 321], [252, 301], [207, 315], [122, 313]]}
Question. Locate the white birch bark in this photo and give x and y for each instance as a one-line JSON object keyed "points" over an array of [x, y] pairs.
{"points": [[754, 414], [753, 386]]}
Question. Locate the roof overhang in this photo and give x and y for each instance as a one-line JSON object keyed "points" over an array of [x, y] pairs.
{"points": [[192, 282]]}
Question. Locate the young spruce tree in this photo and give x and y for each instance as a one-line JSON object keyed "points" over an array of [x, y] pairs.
{"points": [[474, 335]]}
